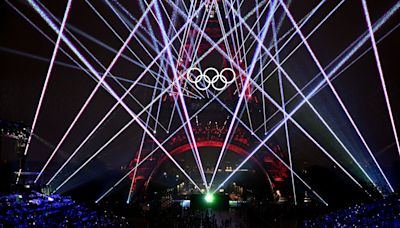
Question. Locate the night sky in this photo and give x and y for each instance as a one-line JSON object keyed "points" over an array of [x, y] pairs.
{"points": [[22, 78]]}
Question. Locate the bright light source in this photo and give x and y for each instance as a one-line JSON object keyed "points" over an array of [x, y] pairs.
{"points": [[209, 198]]}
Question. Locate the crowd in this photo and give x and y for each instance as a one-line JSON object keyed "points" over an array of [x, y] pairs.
{"points": [[383, 213], [35, 209], [38, 210]]}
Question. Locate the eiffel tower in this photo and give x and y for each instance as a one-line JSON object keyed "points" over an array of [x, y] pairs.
{"points": [[211, 118]]}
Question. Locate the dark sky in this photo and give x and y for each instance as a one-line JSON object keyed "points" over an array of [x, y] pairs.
{"points": [[359, 86]]}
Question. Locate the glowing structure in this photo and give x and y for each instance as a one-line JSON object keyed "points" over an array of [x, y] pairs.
{"points": [[209, 127]]}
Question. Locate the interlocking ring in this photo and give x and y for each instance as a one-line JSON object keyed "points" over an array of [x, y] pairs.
{"points": [[210, 81]]}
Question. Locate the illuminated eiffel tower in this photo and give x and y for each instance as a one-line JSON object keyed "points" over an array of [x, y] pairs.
{"points": [[210, 111]]}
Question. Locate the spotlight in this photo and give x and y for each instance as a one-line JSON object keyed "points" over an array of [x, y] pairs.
{"points": [[209, 198]]}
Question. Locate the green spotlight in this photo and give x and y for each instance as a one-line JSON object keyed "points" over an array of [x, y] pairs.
{"points": [[209, 198]]}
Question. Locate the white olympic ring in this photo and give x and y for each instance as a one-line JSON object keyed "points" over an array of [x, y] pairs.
{"points": [[210, 81]]}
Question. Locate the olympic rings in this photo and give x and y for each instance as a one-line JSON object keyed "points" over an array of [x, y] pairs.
{"points": [[210, 81]]}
